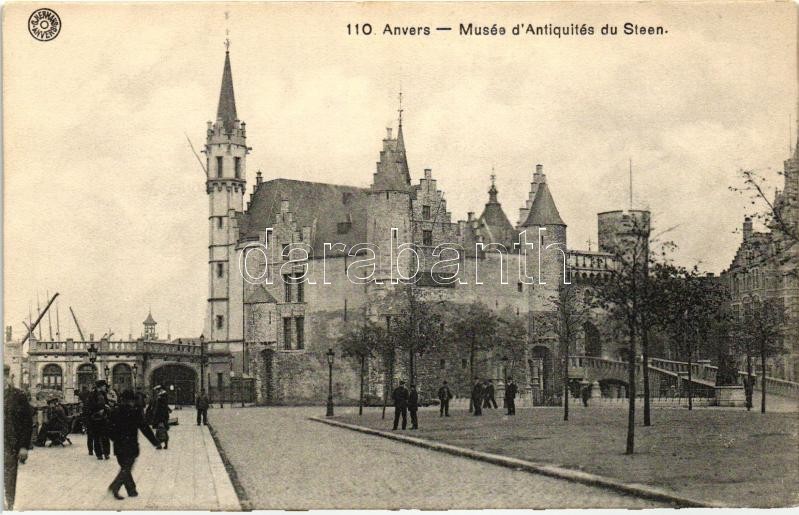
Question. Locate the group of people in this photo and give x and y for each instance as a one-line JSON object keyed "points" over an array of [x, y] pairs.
{"points": [[482, 396]]}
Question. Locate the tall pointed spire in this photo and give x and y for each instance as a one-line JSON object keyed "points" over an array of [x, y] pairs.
{"points": [[492, 191], [400, 138], [227, 101]]}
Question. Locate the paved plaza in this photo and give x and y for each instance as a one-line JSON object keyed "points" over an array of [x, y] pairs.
{"points": [[189, 475], [285, 461]]}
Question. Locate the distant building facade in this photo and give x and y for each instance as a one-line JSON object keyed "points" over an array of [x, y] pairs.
{"points": [[766, 266]]}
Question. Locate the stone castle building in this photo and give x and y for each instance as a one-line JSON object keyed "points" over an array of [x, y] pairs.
{"points": [[766, 266], [298, 240]]}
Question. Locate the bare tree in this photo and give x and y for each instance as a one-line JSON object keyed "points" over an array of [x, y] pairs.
{"points": [[572, 313]]}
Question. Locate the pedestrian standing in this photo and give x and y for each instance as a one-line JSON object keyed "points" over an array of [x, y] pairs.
{"points": [[477, 397], [444, 396], [161, 417], [510, 396], [413, 406], [585, 393], [18, 427], [98, 420], [490, 399], [202, 407], [126, 422], [400, 397]]}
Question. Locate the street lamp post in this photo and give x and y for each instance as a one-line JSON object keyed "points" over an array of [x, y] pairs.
{"points": [[330, 355], [92, 350], [107, 372], [135, 369]]}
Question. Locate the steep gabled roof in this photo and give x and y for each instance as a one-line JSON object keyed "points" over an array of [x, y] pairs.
{"points": [[497, 227], [543, 210], [335, 213], [259, 295], [150, 320]]}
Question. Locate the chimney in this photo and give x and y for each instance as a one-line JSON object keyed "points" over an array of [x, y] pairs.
{"points": [[258, 178], [388, 132], [9, 333], [747, 228], [539, 168], [91, 337], [428, 174], [470, 216]]}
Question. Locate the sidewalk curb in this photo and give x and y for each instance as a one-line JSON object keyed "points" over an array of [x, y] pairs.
{"points": [[577, 476], [241, 493]]}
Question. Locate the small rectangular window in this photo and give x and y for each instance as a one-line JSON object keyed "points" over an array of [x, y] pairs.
{"points": [[220, 321], [220, 269], [300, 291], [287, 288], [427, 238], [519, 287], [287, 333], [220, 221], [426, 212], [237, 167], [300, 323], [219, 170]]}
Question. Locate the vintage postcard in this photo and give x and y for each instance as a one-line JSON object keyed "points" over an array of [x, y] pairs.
{"points": [[413, 255]]}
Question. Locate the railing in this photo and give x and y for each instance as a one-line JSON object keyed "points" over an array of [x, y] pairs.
{"points": [[189, 348]]}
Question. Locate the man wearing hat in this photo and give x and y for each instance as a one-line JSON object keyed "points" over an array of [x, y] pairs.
{"points": [[18, 424], [98, 420], [127, 421]]}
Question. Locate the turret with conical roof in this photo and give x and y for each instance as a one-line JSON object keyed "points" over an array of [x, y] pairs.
{"points": [[149, 327], [493, 223]]}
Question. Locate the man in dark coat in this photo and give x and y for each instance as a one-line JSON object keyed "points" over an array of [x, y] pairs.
{"points": [[400, 397], [490, 400], [477, 397], [85, 417], [510, 396], [18, 425], [202, 407], [98, 420], [126, 422], [413, 406], [444, 396]]}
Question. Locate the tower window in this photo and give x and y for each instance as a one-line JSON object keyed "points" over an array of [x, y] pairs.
{"points": [[220, 269], [287, 333], [219, 169], [220, 321], [519, 287], [427, 238], [220, 221], [426, 212], [300, 323], [237, 167], [300, 291]]}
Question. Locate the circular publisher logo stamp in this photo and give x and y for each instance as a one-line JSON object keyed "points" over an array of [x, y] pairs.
{"points": [[44, 24]]}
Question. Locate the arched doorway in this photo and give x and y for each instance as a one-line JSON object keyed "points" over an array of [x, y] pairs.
{"points": [[87, 375], [541, 379], [122, 377], [593, 345], [178, 380], [52, 377]]}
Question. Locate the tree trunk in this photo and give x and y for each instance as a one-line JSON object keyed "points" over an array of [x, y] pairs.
{"points": [[411, 365], [388, 383], [750, 380], [471, 374], [645, 372], [566, 383], [631, 392], [763, 382], [360, 401]]}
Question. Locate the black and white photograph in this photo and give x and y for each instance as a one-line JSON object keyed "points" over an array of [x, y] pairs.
{"points": [[400, 255]]}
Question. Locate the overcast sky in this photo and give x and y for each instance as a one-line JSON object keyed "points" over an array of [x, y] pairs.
{"points": [[104, 202]]}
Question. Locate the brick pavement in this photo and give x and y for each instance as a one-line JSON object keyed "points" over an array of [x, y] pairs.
{"points": [[189, 475], [285, 461]]}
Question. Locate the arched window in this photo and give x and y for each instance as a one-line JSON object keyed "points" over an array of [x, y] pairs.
{"points": [[52, 377]]}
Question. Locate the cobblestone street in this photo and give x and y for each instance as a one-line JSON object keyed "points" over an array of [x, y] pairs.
{"points": [[285, 461]]}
